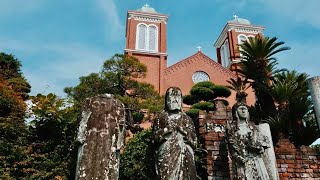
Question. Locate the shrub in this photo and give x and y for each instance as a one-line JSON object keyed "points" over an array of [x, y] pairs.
{"points": [[221, 91], [193, 113], [206, 84], [190, 99], [206, 106], [202, 93], [137, 162]]}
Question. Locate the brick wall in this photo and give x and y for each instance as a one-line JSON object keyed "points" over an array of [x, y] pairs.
{"points": [[292, 162], [212, 135], [297, 163]]}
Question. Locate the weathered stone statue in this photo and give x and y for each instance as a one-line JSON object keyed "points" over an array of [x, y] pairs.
{"points": [[101, 135], [248, 147], [175, 139]]}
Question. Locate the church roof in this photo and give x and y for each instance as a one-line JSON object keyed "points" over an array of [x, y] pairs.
{"points": [[196, 57], [146, 8], [240, 21]]}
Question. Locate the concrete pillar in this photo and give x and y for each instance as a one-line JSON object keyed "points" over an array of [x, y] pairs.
{"points": [[314, 87]]}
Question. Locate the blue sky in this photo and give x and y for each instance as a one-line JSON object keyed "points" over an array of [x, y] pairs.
{"points": [[59, 41]]}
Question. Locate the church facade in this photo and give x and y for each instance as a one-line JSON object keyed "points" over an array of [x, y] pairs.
{"points": [[146, 31]]}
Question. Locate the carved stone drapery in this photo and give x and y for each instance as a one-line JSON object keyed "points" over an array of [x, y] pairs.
{"points": [[175, 140], [249, 147]]}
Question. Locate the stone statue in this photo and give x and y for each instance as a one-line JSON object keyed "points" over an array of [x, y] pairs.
{"points": [[247, 147], [175, 140], [100, 136]]}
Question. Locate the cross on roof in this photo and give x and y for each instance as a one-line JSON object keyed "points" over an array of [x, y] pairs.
{"points": [[146, 5], [199, 48], [235, 16]]}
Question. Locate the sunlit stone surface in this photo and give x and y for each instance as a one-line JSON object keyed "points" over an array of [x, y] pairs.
{"points": [[100, 137], [250, 147], [175, 139]]}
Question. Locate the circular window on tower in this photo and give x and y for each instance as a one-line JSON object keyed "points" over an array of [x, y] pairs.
{"points": [[200, 76]]}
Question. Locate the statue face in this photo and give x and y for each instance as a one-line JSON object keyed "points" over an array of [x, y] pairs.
{"points": [[243, 112], [174, 100]]}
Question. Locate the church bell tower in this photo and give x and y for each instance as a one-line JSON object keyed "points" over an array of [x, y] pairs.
{"points": [[234, 33], [146, 40]]}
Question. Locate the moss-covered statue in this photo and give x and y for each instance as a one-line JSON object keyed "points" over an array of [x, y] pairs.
{"points": [[248, 146], [175, 140]]}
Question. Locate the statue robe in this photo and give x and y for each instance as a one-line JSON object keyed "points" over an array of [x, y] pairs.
{"points": [[247, 146], [175, 138]]}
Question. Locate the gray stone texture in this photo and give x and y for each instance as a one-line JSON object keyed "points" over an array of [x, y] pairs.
{"points": [[249, 147], [314, 87], [175, 140], [101, 135]]}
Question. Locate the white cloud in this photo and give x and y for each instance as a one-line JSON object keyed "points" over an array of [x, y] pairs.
{"points": [[63, 65], [297, 10], [114, 28]]}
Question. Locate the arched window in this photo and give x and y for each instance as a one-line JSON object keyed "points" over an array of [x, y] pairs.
{"points": [[227, 53], [152, 38], [222, 55], [141, 38], [147, 37], [241, 39]]}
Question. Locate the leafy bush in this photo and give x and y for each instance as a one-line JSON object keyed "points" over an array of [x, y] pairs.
{"points": [[202, 93], [137, 116], [193, 113], [221, 91], [190, 99], [207, 84], [206, 106], [137, 162]]}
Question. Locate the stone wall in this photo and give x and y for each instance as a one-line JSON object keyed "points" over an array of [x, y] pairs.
{"points": [[292, 162], [297, 163], [212, 136]]}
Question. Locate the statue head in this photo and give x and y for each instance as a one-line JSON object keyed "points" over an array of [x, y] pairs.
{"points": [[240, 112], [173, 99]]}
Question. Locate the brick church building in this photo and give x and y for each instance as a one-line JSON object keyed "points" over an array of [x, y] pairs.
{"points": [[146, 39]]}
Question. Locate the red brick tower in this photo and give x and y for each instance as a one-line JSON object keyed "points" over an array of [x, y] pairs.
{"points": [[227, 44], [146, 40]]}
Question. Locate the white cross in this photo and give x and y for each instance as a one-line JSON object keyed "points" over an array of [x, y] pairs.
{"points": [[235, 16], [199, 48], [146, 5]]}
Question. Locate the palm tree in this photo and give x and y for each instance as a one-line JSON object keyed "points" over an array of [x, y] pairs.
{"points": [[239, 86], [290, 92], [258, 64]]}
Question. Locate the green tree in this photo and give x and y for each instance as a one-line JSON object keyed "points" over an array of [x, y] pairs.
{"points": [[292, 98], [119, 77], [10, 72], [258, 64], [137, 160], [202, 95], [51, 136], [14, 90], [239, 86]]}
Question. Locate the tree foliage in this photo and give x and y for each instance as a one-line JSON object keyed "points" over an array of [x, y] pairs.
{"points": [[292, 98], [52, 131], [14, 90], [282, 96], [118, 77], [203, 94], [137, 160], [259, 65]]}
